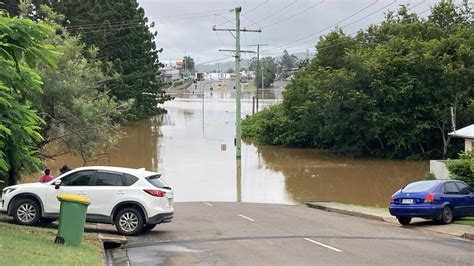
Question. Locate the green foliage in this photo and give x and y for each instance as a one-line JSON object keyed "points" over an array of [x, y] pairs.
{"points": [[22, 47], [429, 176], [287, 63], [463, 169], [123, 37], [387, 91], [178, 82], [81, 117], [189, 64], [270, 68]]}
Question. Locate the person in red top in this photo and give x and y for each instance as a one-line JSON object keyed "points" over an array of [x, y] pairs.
{"points": [[47, 177]]}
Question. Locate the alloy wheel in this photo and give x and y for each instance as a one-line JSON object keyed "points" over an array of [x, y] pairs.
{"points": [[26, 213], [128, 222]]}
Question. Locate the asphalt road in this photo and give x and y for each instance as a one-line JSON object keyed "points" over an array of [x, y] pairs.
{"points": [[264, 234]]}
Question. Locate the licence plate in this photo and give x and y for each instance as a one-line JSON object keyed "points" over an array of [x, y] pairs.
{"points": [[407, 201]]}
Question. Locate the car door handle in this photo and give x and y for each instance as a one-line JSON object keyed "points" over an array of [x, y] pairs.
{"points": [[121, 193], [82, 193]]}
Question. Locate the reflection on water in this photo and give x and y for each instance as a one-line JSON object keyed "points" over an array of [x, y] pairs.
{"points": [[194, 151]]}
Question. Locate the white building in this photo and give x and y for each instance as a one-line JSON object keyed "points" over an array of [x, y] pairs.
{"points": [[466, 133], [438, 167]]}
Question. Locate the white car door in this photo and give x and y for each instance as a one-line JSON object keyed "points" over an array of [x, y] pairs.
{"points": [[106, 192], [77, 183]]}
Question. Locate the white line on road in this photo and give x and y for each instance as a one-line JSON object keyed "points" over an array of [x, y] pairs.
{"points": [[245, 217], [209, 204], [323, 245]]}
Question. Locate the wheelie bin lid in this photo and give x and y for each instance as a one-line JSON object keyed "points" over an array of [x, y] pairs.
{"points": [[73, 198]]}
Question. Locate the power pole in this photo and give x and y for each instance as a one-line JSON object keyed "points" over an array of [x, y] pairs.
{"points": [[238, 131], [258, 67]]}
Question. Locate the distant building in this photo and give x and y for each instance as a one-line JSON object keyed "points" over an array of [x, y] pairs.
{"points": [[466, 133], [438, 167], [169, 74]]}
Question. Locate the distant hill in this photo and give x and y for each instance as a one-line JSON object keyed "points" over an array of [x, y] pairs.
{"points": [[224, 66]]}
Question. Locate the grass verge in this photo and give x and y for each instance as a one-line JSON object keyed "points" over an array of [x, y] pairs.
{"points": [[20, 245], [465, 221]]}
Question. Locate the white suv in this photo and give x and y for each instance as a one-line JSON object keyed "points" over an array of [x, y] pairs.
{"points": [[135, 200]]}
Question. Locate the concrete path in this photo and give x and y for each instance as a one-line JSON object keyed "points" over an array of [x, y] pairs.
{"points": [[379, 214], [206, 233]]}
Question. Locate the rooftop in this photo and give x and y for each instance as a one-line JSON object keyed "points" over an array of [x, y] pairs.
{"points": [[465, 132]]}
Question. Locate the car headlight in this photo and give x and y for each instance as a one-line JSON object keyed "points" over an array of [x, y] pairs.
{"points": [[8, 190]]}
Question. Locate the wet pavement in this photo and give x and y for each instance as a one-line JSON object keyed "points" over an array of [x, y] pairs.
{"points": [[210, 233]]}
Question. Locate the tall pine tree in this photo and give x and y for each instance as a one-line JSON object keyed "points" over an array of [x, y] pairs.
{"points": [[123, 36]]}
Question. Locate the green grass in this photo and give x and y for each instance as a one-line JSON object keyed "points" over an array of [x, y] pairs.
{"points": [[465, 221], [22, 245], [370, 207]]}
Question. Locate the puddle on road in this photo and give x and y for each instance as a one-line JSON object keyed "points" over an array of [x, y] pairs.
{"points": [[194, 151]]}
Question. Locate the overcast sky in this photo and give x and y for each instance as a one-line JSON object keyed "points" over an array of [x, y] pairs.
{"points": [[185, 27]]}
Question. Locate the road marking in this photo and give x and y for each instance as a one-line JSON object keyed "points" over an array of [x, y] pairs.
{"points": [[323, 245], [245, 217], [209, 204]]}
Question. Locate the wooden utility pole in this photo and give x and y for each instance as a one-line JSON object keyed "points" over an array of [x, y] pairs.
{"points": [[258, 68], [238, 131]]}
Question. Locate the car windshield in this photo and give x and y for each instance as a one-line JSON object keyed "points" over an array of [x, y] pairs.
{"points": [[419, 186]]}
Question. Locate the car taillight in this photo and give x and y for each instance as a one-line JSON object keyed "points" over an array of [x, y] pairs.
{"points": [[429, 198], [392, 199], [155, 193]]}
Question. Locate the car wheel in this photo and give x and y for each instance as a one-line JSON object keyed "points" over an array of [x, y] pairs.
{"points": [[26, 212], [129, 221], [447, 215], [148, 227], [404, 220]]}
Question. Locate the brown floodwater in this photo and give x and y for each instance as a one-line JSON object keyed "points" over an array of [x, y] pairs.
{"points": [[194, 151]]}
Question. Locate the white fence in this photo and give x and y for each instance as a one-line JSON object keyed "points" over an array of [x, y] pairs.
{"points": [[439, 169]]}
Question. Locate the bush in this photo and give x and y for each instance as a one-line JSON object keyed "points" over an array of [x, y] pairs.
{"points": [[268, 126], [463, 169], [178, 82], [429, 176]]}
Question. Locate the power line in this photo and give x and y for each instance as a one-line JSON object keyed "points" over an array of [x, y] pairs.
{"points": [[160, 20], [420, 3], [333, 25], [256, 7], [294, 15], [212, 61], [276, 12]]}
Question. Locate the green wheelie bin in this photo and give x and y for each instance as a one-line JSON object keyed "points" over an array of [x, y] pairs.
{"points": [[72, 217]]}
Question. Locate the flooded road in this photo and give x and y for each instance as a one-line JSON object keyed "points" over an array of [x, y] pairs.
{"points": [[193, 148]]}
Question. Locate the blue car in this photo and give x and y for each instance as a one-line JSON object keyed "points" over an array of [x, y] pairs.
{"points": [[441, 200]]}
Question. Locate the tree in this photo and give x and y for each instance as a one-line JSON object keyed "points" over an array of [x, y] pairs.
{"points": [[121, 33], [269, 68], [230, 70], [386, 92], [287, 63], [22, 47], [81, 118], [189, 64]]}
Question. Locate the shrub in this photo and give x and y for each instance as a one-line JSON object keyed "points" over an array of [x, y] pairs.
{"points": [[429, 176], [463, 169]]}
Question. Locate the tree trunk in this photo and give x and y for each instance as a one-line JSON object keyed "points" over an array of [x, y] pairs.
{"points": [[12, 176]]}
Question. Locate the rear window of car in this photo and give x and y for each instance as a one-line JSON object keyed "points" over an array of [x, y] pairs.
{"points": [[156, 181], [419, 186]]}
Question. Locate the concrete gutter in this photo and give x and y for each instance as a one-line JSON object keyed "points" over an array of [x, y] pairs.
{"points": [[106, 235], [464, 231]]}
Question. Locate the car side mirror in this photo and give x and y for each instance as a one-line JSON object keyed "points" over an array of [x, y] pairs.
{"points": [[57, 184]]}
